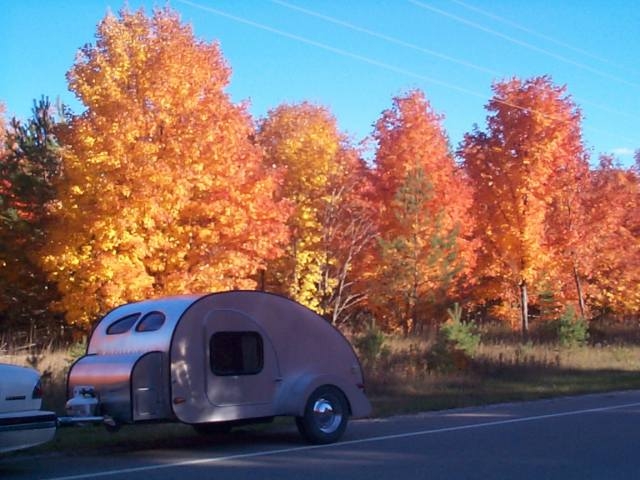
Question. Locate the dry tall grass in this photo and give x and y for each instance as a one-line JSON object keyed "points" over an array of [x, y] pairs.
{"points": [[52, 363], [400, 371], [591, 358], [400, 379], [405, 356]]}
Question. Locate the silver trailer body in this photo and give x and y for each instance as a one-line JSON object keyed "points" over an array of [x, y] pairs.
{"points": [[221, 357]]}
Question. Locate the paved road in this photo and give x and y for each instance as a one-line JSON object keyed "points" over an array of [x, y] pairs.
{"points": [[588, 437]]}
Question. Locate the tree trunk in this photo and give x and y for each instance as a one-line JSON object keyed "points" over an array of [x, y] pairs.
{"points": [[524, 309], [579, 288]]}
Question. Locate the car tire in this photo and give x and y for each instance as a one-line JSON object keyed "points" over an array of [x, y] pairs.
{"points": [[325, 416]]}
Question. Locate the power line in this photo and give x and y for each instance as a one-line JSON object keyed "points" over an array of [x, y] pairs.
{"points": [[386, 38], [533, 32], [370, 61], [413, 46], [529, 46], [331, 49]]}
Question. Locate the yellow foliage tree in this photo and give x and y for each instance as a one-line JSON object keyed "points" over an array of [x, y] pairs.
{"points": [[163, 191], [303, 139]]}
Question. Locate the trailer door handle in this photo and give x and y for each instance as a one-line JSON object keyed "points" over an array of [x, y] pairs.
{"points": [[278, 379]]}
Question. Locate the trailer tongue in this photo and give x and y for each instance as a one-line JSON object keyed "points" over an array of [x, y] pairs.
{"points": [[82, 408]]}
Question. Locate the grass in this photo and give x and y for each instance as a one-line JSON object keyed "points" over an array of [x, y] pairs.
{"points": [[399, 381]]}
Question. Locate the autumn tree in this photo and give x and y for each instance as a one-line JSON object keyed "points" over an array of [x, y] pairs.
{"points": [[348, 231], [163, 192], [571, 235], [533, 133], [423, 223], [29, 165], [322, 180], [614, 217]]}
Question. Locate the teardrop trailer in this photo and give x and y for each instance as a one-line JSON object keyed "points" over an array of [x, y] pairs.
{"points": [[217, 360]]}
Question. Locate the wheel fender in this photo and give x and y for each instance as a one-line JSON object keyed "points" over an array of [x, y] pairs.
{"points": [[293, 397]]}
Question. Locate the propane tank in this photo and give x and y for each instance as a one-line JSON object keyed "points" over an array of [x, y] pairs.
{"points": [[84, 402]]}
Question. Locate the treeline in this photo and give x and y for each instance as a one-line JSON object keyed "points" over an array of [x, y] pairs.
{"points": [[163, 186]]}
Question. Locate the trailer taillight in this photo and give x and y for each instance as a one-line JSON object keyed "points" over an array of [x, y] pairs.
{"points": [[37, 391]]}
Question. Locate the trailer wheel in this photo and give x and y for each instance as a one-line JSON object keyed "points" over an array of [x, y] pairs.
{"points": [[213, 428], [325, 416], [112, 427]]}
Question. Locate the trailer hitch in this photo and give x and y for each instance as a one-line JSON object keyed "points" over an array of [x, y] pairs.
{"points": [[82, 409]]}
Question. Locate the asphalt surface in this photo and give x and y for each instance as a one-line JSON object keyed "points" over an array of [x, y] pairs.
{"points": [[586, 437]]}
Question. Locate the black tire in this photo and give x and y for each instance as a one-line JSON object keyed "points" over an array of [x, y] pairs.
{"points": [[325, 416], [112, 427], [213, 428]]}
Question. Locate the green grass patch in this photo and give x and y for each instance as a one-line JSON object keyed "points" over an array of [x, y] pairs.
{"points": [[97, 440], [89, 438], [518, 384]]}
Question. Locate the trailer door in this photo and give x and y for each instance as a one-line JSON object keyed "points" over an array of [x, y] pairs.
{"points": [[242, 363]]}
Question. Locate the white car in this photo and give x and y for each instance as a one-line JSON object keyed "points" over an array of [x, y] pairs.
{"points": [[22, 423]]}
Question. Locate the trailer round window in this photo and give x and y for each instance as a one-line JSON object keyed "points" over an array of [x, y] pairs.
{"points": [[151, 322], [236, 353], [123, 324]]}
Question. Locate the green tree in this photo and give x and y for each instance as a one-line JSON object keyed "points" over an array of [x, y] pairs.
{"points": [[422, 199], [419, 262], [29, 167]]}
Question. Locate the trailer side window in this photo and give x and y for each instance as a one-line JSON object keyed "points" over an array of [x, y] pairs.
{"points": [[236, 353], [123, 324], [151, 322]]}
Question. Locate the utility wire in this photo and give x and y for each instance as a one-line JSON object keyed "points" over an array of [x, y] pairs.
{"points": [[386, 66], [386, 38], [434, 53], [535, 33], [331, 49], [529, 46]]}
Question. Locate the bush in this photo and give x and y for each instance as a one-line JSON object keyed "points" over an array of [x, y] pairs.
{"points": [[572, 330], [370, 344], [456, 343]]}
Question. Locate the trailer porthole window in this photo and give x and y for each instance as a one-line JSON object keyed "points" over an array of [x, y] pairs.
{"points": [[236, 353], [151, 322], [123, 324]]}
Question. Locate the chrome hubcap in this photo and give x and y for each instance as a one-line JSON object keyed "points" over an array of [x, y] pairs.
{"points": [[326, 416]]}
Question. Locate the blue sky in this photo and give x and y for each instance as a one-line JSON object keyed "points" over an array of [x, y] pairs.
{"points": [[354, 56]]}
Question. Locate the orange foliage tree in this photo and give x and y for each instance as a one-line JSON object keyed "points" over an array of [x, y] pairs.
{"points": [[423, 201], [570, 233], [533, 133], [163, 191], [614, 218], [322, 176]]}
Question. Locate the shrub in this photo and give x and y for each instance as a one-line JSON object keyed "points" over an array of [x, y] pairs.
{"points": [[77, 350], [456, 343], [370, 344], [572, 330]]}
